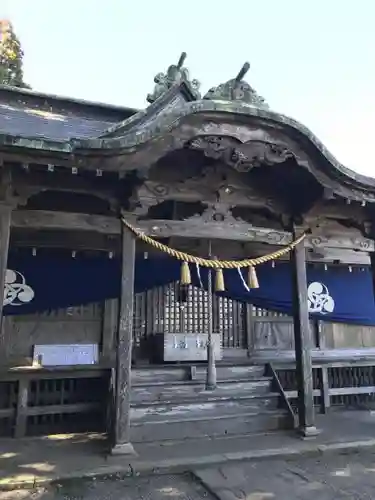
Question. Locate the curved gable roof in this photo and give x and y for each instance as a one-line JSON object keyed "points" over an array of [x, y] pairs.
{"points": [[97, 132]]}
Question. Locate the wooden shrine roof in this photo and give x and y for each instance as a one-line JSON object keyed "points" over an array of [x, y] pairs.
{"points": [[112, 138]]}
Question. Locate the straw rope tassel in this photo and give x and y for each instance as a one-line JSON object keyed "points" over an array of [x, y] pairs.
{"points": [[185, 274], [253, 279], [219, 280]]}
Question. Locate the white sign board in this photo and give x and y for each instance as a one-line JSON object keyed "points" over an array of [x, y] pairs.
{"points": [[65, 354]]}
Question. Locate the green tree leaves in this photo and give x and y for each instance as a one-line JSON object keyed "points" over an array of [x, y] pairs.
{"points": [[11, 55]]}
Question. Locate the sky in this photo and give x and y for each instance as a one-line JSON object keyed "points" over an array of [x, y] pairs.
{"points": [[311, 60]]}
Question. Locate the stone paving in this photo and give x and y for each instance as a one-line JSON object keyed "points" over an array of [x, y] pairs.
{"points": [[332, 477]]}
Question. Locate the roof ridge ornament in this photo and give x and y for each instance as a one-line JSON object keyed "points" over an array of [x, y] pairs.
{"points": [[175, 75], [237, 90]]}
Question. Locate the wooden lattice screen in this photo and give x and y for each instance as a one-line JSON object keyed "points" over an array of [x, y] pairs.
{"points": [[165, 310]]}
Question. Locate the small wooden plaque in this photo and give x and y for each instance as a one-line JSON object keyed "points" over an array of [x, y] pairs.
{"points": [[190, 346]]}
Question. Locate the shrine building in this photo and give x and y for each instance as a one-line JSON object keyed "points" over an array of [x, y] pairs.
{"points": [[198, 268]]}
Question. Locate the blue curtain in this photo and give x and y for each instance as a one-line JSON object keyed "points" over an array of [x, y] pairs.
{"points": [[36, 284], [335, 294]]}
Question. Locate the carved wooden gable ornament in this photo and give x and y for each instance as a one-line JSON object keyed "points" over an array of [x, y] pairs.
{"points": [[242, 157]]}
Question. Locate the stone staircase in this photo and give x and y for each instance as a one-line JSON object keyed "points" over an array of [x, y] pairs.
{"points": [[171, 404]]}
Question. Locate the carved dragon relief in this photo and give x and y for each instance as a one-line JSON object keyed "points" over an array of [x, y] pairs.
{"points": [[242, 157]]}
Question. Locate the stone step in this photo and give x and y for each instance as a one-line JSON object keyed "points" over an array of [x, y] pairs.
{"points": [[196, 391], [239, 424], [198, 410], [148, 376]]}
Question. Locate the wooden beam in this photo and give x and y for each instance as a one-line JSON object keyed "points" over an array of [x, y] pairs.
{"points": [[303, 343], [65, 221], [40, 157], [55, 239], [27, 184], [331, 358], [342, 240], [196, 228], [192, 228], [90, 241], [205, 188], [122, 445]]}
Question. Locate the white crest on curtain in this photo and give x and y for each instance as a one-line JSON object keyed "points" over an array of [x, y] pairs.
{"points": [[16, 290], [319, 299]]}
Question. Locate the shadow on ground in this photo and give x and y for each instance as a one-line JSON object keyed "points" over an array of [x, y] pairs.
{"points": [[165, 487]]}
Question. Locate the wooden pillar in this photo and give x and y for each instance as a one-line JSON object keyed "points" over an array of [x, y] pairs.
{"points": [[211, 374], [109, 329], [325, 400], [5, 221], [303, 343], [249, 325], [21, 408], [122, 445], [372, 257]]}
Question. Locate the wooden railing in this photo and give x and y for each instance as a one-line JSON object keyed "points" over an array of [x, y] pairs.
{"points": [[43, 401], [350, 384], [276, 385]]}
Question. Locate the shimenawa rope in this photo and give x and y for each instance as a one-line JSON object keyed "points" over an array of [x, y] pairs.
{"points": [[218, 265]]}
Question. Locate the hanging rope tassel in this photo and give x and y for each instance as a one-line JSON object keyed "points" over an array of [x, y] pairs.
{"points": [[219, 281], [253, 279], [185, 274]]}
